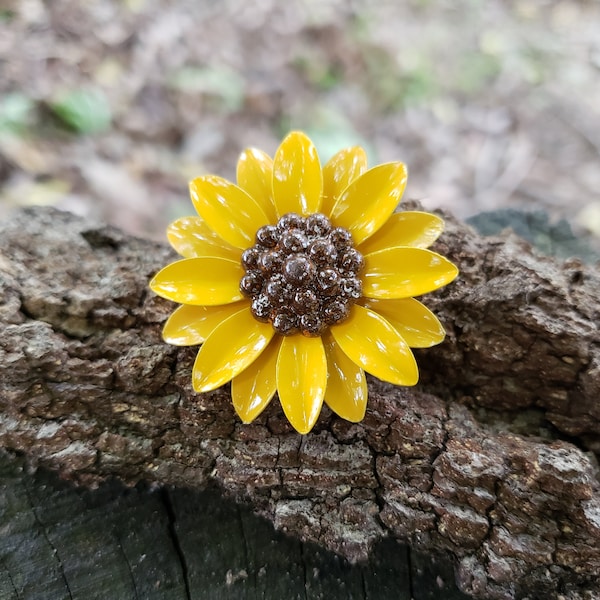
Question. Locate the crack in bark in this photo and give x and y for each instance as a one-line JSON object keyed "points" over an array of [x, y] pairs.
{"points": [[12, 583], [166, 500], [55, 552]]}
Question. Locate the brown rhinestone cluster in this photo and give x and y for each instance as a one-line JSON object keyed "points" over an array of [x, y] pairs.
{"points": [[302, 274]]}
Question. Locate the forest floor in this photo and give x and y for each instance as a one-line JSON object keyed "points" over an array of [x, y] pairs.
{"points": [[108, 108]]}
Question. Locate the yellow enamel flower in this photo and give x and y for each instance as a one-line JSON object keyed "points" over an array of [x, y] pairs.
{"points": [[299, 279]]}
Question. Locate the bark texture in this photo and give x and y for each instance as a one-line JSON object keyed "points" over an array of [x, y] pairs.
{"points": [[491, 458]]}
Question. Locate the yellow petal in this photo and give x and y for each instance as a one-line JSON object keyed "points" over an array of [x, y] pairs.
{"points": [[341, 170], [405, 272], [227, 209], [191, 325], [419, 327], [301, 380], [406, 228], [346, 393], [297, 176], [367, 203], [373, 344], [229, 349], [254, 387], [191, 237], [255, 176], [204, 280]]}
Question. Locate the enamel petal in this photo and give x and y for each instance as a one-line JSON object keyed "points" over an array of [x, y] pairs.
{"points": [[205, 280], [229, 349], [339, 172], [346, 392], [254, 387], [297, 176], [190, 325], [191, 237], [419, 327], [407, 228], [404, 272], [227, 209], [301, 380], [255, 176], [373, 344], [367, 203]]}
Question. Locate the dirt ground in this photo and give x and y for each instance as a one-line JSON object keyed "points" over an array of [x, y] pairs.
{"points": [[108, 108]]}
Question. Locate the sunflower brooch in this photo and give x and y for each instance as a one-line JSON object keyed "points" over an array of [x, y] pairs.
{"points": [[300, 278]]}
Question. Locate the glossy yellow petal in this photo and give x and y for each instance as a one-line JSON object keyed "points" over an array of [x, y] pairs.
{"points": [[204, 280], [419, 327], [192, 237], [405, 272], [255, 176], [297, 176], [227, 209], [339, 172], [190, 325], [373, 344], [254, 387], [406, 228], [235, 344], [346, 393], [301, 380], [367, 203]]}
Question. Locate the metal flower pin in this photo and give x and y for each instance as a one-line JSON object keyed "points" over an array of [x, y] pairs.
{"points": [[300, 278]]}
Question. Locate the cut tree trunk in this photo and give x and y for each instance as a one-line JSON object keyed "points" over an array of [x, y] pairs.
{"points": [[491, 458], [60, 542]]}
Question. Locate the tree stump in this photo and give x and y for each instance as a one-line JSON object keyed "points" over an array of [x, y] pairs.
{"points": [[490, 459]]}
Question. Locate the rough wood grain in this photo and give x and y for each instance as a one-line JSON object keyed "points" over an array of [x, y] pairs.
{"points": [[481, 460], [60, 542]]}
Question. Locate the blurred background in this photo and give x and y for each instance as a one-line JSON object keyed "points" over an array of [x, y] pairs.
{"points": [[108, 108]]}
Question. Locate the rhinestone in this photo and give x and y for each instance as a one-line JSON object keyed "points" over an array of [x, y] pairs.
{"points": [[275, 290], [318, 225], [328, 281], [267, 236], [270, 261], [351, 288], [336, 311], [251, 283], [285, 322], [261, 308], [311, 324], [306, 301], [352, 261], [250, 258], [341, 238], [293, 241], [290, 221], [322, 252], [299, 269]]}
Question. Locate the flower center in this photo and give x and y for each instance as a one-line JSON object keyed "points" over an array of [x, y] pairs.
{"points": [[302, 274]]}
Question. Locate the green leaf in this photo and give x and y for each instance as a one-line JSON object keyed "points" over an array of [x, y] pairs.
{"points": [[83, 111], [6, 14], [220, 82], [15, 113], [329, 130]]}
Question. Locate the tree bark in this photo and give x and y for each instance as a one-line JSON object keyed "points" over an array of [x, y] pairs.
{"points": [[490, 458]]}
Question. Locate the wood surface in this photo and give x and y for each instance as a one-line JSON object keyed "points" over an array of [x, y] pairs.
{"points": [[162, 543]]}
